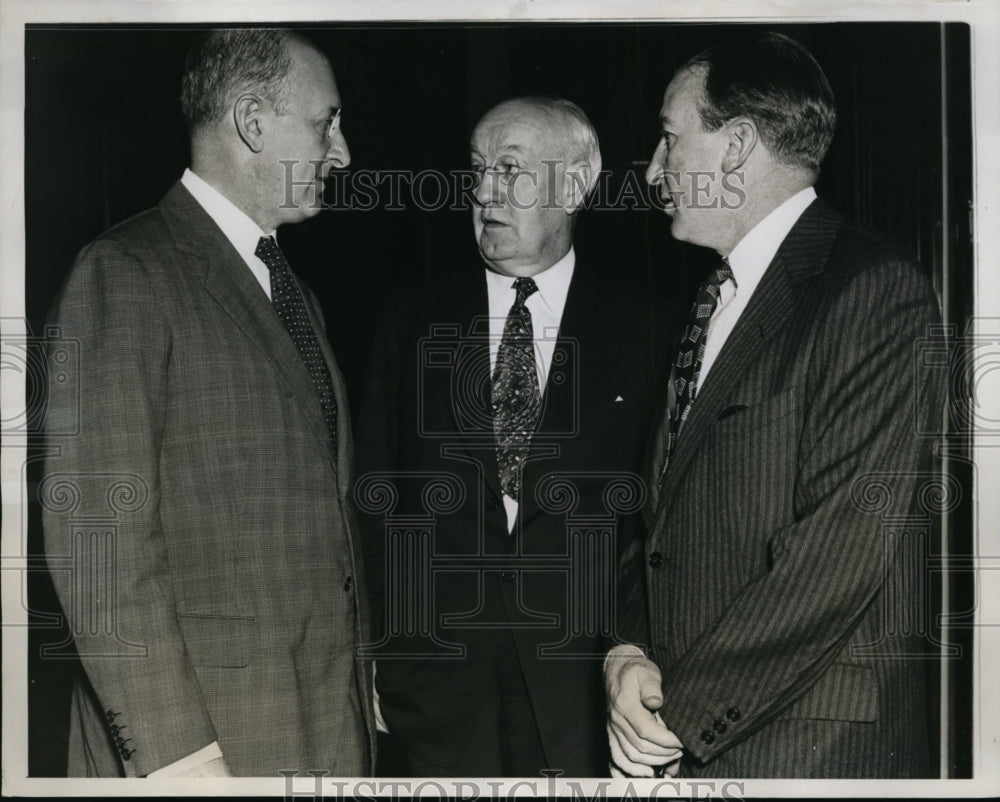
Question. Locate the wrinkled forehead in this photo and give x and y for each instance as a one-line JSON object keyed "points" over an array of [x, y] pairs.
{"points": [[518, 127]]}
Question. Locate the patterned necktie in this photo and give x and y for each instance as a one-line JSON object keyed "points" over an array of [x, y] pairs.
{"points": [[291, 308], [517, 401], [687, 366]]}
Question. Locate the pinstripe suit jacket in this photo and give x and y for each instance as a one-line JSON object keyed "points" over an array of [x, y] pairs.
{"points": [[778, 591], [228, 600]]}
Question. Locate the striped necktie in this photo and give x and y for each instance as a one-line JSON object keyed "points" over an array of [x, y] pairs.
{"points": [[687, 365]]}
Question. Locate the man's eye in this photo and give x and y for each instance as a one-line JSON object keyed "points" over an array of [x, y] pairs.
{"points": [[507, 168]]}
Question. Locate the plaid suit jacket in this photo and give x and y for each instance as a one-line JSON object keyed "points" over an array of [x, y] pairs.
{"points": [[783, 595], [224, 599]]}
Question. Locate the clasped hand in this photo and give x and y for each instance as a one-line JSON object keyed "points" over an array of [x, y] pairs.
{"points": [[641, 744]]}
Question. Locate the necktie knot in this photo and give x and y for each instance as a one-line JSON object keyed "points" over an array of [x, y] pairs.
{"points": [[269, 253], [524, 287], [721, 274]]}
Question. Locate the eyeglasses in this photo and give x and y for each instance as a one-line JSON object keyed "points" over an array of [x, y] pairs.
{"points": [[333, 125]]}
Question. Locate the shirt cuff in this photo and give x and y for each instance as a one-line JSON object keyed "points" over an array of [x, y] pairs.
{"points": [[203, 755], [380, 724]]}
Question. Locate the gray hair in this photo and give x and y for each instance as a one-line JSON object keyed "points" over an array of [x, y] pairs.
{"points": [[227, 62], [580, 136]]}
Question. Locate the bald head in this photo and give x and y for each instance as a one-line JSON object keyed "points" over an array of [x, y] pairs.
{"points": [[571, 136]]}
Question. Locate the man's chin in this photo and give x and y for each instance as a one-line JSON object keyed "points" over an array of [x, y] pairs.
{"points": [[492, 249], [308, 207]]}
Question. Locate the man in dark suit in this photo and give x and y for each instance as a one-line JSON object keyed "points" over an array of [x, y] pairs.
{"points": [[774, 586], [503, 426], [217, 616]]}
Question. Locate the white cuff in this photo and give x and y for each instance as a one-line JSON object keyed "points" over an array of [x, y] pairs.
{"points": [[380, 724], [203, 755]]}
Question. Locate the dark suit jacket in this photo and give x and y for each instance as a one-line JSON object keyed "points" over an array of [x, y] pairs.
{"points": [[782, 591], [226, 600], [427, 420]]}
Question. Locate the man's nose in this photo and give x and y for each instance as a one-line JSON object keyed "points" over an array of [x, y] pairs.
{"points": [[654, 172], [486, 189], [338, 152]]}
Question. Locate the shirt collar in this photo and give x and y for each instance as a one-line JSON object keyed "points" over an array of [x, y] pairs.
{"points": [[240, 230], [752, 254], [553, 283]]}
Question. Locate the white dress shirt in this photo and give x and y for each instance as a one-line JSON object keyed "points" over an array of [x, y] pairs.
{"points": [[244, 234], [748, 261], [240, 230], [546, 309]]}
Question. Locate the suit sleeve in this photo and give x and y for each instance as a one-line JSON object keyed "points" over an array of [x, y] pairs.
{"points": [[118, 594], [784, 629]]}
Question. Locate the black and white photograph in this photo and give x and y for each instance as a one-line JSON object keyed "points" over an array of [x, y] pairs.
{"points": [[592, 400]]}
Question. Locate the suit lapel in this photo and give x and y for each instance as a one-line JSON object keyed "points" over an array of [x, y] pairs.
{"points": [[229, 281], [802, 254], [560, 401], [467, 386]]}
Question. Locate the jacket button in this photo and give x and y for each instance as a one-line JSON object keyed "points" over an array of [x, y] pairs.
{"points": [[707, 737], [507, 576], [492, 502], [719, 726], [655, 560], [733, 714], [348, 583]]}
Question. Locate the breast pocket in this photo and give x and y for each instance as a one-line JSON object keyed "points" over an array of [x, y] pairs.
{"points": [[755, 414], [750, 455]]}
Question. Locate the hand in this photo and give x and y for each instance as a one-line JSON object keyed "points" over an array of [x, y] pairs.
{"points": [[213, 768], [641, 744]]}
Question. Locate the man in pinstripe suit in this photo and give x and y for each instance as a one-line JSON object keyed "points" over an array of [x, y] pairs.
{"points": [[771, 586], [208, 392]]}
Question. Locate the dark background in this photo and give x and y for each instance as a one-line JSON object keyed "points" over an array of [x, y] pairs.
{"points": [[104, 139]]}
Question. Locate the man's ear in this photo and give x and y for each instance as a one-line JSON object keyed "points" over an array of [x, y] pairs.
{"points": [[577, 180], [743, 138], [247, 118]]}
